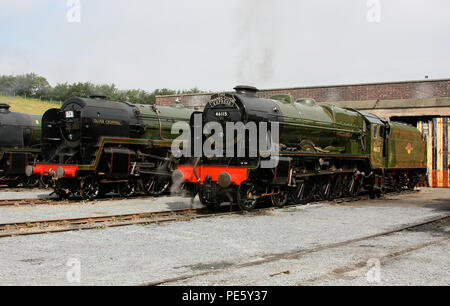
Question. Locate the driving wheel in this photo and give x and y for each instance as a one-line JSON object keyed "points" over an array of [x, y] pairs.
{"points": [[157, 184], [246, 196], [90, 188], [279, 197], [304, 191]]}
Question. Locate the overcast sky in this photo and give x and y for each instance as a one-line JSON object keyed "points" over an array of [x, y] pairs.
{"points": [[216, 44]]}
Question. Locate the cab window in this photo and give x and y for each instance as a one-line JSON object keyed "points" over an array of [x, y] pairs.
{"points": [[382, 132]]}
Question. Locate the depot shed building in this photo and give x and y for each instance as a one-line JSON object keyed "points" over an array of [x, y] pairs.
{"points": [[424, 103]]}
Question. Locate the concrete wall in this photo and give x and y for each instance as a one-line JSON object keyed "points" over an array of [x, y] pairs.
{"points": [[434, 107]]}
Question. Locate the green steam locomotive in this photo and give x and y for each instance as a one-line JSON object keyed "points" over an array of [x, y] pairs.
{"points": [[325, 152]]}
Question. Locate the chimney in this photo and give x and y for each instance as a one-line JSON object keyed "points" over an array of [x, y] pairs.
{"points": [[4, 108], [97, 97], [246, 90]]}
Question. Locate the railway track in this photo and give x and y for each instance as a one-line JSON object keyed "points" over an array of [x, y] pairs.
{"points": [[298, 254], [23, 202], [97, 222], [142, 218], [340, 271], [50, 201]]}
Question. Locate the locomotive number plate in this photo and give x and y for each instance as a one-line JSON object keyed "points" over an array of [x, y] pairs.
{"points": [[69, 114], [221, 114]]}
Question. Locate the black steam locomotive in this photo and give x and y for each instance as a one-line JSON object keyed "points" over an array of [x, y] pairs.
{"points": [[92, 146], [20, 138]]}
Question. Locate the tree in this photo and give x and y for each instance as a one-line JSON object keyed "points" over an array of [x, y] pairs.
{"points": [[7, 84], [33, 85], [60, 92]]}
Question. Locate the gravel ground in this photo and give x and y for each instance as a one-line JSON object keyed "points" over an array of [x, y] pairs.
{"points": [[422, 260], [24, 194], [140, 254]]}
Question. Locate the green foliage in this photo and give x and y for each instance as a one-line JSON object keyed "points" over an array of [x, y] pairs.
{"points": [[194, 90], [164, 92], [34, 86], [27, 85]]}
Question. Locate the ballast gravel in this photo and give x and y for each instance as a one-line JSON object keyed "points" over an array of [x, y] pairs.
{"points": [[134, 255]]}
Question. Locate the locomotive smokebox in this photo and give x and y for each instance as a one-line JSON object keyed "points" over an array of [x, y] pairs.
{"points": [[246, 90]]}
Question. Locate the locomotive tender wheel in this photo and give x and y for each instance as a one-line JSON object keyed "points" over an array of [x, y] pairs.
{"points": [[246, 196], [90, 188], [157, 184], [279, 197], [394, 183], [372, 194], [304, 192], [413, 180], [374, 187]]}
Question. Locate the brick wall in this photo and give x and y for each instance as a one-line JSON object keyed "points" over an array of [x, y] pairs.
{"points": [[357, 92]]}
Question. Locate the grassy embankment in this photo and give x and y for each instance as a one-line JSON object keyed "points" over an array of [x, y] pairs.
{"points": [[28, 106]]}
